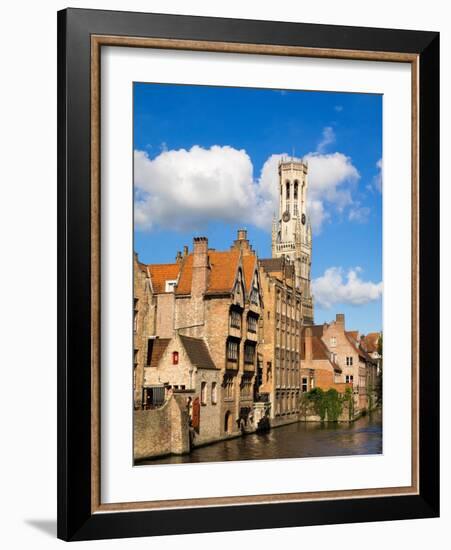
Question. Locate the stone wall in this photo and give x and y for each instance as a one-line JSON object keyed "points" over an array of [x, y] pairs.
{"points": [[162, 431], [144, 326]]}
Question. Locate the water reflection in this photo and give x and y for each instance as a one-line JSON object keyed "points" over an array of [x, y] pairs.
{"points": [[299, 440]]}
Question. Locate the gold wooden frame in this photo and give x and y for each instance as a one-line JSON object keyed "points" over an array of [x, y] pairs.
{"points": [[97, 41]]}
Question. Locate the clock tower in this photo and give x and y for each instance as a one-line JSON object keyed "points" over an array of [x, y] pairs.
{"points": [[291, 231]]}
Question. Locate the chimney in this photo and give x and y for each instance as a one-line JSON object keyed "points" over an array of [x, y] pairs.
{"points": [[242, 235], [185, 251], [178, 258], [308, 343], [241, 243], [200, 266], [340, 320]]}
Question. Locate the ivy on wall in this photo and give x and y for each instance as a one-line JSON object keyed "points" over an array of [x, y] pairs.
{"points": [[328, 405]]}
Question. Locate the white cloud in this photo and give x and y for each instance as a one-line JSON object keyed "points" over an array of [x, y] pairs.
{"points": [[377, 180], [358, 213], [335, 286], [328, 138], [331, 178], [184, 189], [338, 108]]}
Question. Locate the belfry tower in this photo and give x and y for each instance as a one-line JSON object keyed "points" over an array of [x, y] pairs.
{"points": [[291, 229]]}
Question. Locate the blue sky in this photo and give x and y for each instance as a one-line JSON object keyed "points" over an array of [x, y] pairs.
{"points": [[205, 164]]}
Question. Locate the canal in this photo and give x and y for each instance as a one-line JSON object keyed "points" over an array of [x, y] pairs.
{"points": [[298, 440]]}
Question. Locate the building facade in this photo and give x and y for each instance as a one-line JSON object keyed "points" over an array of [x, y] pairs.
{"points": [[357, 367], [213, 297], [143, 326], [184, 366], [280, 339]]}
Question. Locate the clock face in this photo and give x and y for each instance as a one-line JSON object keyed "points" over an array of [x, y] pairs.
{"points": [[303, 219], [286, 216]]}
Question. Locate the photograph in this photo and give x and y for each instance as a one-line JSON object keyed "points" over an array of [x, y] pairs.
{"points": [[257, 274]]}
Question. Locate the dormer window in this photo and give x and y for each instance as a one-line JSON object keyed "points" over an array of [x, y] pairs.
{"points": [[169, 285]]}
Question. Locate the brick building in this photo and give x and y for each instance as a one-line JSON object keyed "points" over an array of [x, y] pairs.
{"points": [[318, 366], [214, 297], [143, 325], [280, 339], [183, 365], [358, 368]]}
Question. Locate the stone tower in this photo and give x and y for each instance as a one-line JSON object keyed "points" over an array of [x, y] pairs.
{"points": [[291, 229]]}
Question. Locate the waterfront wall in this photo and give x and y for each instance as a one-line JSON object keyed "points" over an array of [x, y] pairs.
{"points": [[158, 432]]}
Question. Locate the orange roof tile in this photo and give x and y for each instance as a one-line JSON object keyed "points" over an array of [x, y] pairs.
{"points": [[319, 351], [371, 341], [186, 273], [223, 270], [160, 273], [249, 264]]}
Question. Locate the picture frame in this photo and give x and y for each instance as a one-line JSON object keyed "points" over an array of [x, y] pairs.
{"points": [[81, 35]]}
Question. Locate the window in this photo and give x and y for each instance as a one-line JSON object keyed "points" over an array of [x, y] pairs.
{"points": [[254, 296], [333, 341], [249, 353], [232, 350], [135, 315], [169, 285], [214, 393], [304, 386], [287, 186], [228, 387], [149, 351], [295, 209], [252, 323], [246, 387], [235, 319], [269, 315], [203, 393], [268, 371], [349, 379], [349, 361], [295, 193]]}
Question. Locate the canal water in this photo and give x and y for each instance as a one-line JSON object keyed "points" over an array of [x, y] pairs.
{"points": [[298, 440]]}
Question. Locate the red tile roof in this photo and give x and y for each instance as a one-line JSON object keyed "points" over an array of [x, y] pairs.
{"points": [[371, 341], [186, 273], [222, 271], [362, 353], [160, 273], [249, 265], [224, 266], [319, 350]]}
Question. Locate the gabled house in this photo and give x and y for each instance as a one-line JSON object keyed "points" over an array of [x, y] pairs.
{"points": [[183, 365], [318, 366], [215, 296]]}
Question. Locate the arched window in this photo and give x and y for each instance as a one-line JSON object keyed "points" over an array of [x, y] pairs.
{"points": [[203, 393], [287, 186], [295, 192], [214, 393]]}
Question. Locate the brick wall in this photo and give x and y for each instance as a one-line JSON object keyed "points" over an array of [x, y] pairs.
{"points": [[161, 431]]}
